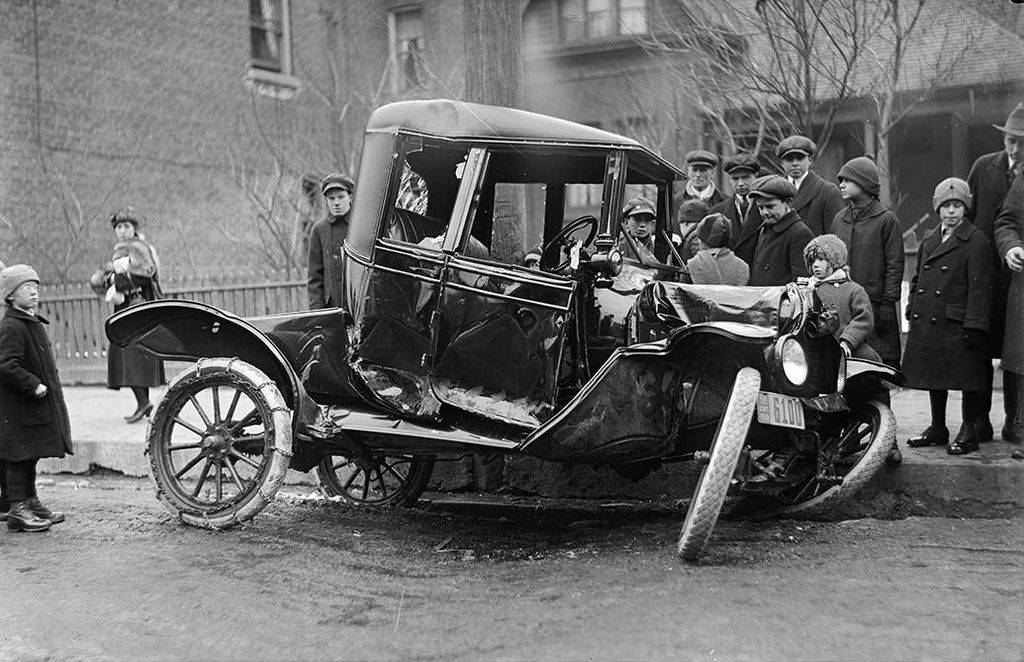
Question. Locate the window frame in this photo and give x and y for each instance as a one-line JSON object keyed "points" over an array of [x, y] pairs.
{"points": [[398, 82], [283, 65], [584, 31]]}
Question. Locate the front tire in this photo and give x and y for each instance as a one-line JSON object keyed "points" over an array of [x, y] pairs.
{"points": [[220, 443], [714, 481]]}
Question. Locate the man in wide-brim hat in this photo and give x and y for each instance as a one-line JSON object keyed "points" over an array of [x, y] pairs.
{"points": [[990, 179]]}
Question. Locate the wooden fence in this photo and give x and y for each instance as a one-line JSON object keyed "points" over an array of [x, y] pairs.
{"points": [[77, 315]]}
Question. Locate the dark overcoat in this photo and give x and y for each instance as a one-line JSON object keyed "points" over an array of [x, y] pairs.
{"points": [[989, 180], [1009, 231], [874, 238], [326, 265], [856, 316], [951, 291], [129, 366], [743, 231], [817, 202], [30, 427], [779, 253]]}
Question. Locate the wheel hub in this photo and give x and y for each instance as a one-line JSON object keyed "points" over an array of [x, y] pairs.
{"points": [[216, 445]]}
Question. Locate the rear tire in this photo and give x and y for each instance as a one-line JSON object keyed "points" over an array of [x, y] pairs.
{"points": [[375, 480], [714, 481], [220, 443]]}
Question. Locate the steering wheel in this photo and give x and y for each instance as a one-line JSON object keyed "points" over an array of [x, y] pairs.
{"points": [[549, 254]]}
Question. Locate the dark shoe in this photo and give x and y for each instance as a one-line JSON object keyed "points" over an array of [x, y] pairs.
{"points": [[1013, 433], [23, 519], [983, 431], [966, 441], [140, 413], [42, 512], [932, 436]]}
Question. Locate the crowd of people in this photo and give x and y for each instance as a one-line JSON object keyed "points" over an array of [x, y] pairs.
{"points": [[966, 297]]}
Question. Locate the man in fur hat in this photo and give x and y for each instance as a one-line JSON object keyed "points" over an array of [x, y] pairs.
{"points": [[990, 180]]}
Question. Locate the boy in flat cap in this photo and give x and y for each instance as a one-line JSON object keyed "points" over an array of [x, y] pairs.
{"points": [[326, 282], [817, 202], [949, 309], [744, 218], [33, 417], [874, 237], [779, 247], [714, 263], [990, 179], [700, 182], [639, 217]]}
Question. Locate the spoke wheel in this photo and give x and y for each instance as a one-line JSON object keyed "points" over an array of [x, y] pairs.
{"points": [[376, 479], [714, 481], [220, 443], [864, 442]]}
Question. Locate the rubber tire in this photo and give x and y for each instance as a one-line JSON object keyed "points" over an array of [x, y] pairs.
{"points": [[419, 475], [715, 478], [274, 465], [869, 464]]}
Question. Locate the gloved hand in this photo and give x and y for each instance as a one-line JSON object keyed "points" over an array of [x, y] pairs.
{"points": [[974, 338], [885, 317]]}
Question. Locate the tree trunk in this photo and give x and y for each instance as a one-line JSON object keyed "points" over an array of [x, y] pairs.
{"points": [[492, 51]]}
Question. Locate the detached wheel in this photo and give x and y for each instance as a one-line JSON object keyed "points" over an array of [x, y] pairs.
{"points": [[377, 479], [219, 444], [713, 484], [864, 440]]}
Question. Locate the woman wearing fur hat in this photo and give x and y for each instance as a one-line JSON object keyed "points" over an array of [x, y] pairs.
{"points": [[949, 306], [33, 417], [134, 269], [826, 260], [874, 238]]}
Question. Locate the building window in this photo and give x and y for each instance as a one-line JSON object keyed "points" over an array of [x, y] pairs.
{"points": [[269, 40], [593, 19], [406, 49]]}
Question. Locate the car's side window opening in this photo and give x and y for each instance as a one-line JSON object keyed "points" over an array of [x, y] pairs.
{"points": [[425, 195]]}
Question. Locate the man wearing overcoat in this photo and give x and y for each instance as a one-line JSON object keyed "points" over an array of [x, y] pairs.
{"points": [[989, 180], [744, 217], [817, 201], [779, 247], [326, 269], [1009, 232]]}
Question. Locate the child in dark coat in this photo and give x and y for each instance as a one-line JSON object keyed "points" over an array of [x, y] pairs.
{"points": [[874, 238], [826, 260], [33, 416], [950, 301]]}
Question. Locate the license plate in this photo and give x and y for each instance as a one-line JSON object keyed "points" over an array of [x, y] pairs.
{"points": [[781, 410]]}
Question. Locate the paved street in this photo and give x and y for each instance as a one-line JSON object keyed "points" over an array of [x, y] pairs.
{"points": [[122, 580]]}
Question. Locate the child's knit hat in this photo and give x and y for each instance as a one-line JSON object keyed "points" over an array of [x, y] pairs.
{"points": [[829, 247], [863, 172], [13, 277], [714, 230], [951, 189]]}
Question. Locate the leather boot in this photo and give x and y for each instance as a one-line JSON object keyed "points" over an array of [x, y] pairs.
{"points": [[933, 435], [140, 413], [966, 440], [23, 519], [42, 512], [1013, 406]]}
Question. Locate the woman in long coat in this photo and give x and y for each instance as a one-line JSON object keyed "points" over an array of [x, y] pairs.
{"points": [[949, 305], [135, 276], [1009, 235]]}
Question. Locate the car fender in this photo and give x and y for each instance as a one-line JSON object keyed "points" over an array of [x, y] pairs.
{"points": [[174, 330], [865, 377]]}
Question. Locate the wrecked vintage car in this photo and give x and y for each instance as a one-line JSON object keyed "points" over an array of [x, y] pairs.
{"points": [[449, 345]]}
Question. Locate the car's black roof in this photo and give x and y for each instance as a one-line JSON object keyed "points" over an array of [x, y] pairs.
{"points": [[460, 120]]}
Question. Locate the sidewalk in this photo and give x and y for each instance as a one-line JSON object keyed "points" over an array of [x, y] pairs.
{"points": [[929, 481]]}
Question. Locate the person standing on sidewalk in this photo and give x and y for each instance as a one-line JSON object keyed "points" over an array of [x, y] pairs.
{"points": [[1009, 233], [817, 201], [326, 266], [700, 182], [33, 416], [989, 180], [779, 246], [744, 218], [949, 309], [874, 238]]}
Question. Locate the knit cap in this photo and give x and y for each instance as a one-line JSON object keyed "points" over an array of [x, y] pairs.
{"points": [[692, 211], [863, 172], [714, 230], [952, 189], [829, 247], [12, 277]]}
